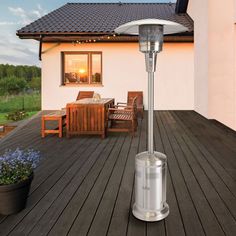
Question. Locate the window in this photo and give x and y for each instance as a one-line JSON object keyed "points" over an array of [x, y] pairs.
{"points": [[82, 68]]}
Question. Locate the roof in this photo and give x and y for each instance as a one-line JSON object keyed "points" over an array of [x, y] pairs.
{"points": [[99, 18]]}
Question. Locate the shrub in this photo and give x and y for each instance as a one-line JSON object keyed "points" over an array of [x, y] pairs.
{"points": [[16, 115], [16, 166]]}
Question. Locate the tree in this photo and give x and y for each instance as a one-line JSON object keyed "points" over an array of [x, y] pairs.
{"points": [[12, 85], [35, 83], [27, 72], [14, 79]]}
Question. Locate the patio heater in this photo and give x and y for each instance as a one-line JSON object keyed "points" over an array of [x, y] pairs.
{"points": [[150, 166]]}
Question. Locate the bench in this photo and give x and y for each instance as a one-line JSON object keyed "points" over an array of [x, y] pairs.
{"points": [[59, 116]]}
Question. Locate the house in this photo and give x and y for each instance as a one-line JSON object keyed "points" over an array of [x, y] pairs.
{"points": [[198, 76], [80, 51]]}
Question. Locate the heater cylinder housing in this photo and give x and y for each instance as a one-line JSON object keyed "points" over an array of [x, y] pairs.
{"points": [[150, 38], [150, 186]]}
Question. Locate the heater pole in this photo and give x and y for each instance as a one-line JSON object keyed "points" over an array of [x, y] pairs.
{"points": [[150, 111]]}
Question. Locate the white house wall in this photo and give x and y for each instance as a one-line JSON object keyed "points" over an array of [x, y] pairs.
{"points": [[124, 70], [214, 65], [198, 10]]}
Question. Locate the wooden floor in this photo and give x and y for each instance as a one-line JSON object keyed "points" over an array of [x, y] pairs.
{"points": [[84, 185]]}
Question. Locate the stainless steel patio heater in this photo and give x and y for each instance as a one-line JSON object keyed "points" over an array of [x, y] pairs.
{"points": [[150, 166]]}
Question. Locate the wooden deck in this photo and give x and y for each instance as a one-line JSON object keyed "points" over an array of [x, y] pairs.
{"points": [[84, 185]]}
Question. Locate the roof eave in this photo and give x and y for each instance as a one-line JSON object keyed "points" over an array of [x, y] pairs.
{"points": [[23, 35], [103, 37]]}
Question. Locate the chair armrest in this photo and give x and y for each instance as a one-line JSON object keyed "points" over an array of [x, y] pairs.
{"points": [[119, 110], [113, 109], [124, 103], [119, 106]]}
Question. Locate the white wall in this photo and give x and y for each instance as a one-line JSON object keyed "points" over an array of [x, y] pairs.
{"points": [[124, 70], [214, 59], [198, 10], [234, 8], [222, 90]]}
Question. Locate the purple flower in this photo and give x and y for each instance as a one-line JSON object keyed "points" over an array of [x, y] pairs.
{"points": [[17, 165]]}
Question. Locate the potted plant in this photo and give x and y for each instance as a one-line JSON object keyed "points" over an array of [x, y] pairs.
{"points": [[16, 175]]}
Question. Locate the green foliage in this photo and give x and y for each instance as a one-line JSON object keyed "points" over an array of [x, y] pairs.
{"points": [[16, 79], [16, 166], [10, 176], [12, 85], [26, 72], [35, 83], [16, 115], [27, 102], [4, 121]]}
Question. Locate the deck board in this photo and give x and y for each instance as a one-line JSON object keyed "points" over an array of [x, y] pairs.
{"points": [[53, 213], [174, 222], [207, 157], [191, 221], [72, 209], [136, 227], [213, 142], [209, 177], [185, 160], [84, 185]]}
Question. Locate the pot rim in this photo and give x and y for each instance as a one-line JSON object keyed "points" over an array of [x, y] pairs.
{"points": [[9, 187]]}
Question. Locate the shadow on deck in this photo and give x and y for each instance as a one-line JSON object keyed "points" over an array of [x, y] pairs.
{"points": [[84, 185]]}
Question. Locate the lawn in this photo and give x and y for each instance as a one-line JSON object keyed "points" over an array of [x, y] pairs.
{"points": [[3, 119], [31, 103]]}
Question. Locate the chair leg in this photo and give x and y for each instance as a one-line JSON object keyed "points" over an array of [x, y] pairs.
{"points": [[60, 128], [136, 124], [43, 128]]}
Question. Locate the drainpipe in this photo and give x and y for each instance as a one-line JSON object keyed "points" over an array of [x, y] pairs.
{"points": [[40, 46]]}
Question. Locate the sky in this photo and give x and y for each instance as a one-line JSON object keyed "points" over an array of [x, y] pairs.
{"points": [[14, 14]]}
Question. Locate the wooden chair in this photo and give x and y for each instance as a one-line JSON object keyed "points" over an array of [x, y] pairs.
{"points": [[140, 106], [123, 118], [85, 94]]}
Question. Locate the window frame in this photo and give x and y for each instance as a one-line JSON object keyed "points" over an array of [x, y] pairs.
{"points": [[89, 53]]}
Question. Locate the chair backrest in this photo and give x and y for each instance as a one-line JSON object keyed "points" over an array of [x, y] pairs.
{"points": [[133, 103], [138, 94], [85, 94]]}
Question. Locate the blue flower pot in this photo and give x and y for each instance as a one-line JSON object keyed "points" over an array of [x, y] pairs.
{"points": [[13, 197]]}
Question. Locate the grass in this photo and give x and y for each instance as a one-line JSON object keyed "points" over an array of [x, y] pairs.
{"points": [[31, 103], [27, 102], [3, 119]]}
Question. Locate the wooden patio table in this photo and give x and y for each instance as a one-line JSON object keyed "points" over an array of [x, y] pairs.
{"points": [[88, 116]]}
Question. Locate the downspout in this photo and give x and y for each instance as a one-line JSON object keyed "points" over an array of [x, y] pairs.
{"points": [[40, 46]]}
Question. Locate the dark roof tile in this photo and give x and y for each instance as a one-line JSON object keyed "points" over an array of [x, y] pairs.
{"points": [[102, 17]]}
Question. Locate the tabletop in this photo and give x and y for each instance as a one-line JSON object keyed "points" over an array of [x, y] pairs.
{"points": [[92, 101]]}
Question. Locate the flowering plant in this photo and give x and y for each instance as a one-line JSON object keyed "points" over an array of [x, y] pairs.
{"points": [[17, 165]]}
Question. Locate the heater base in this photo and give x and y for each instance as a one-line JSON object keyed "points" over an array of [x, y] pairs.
{"points": [[150, 216]]}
